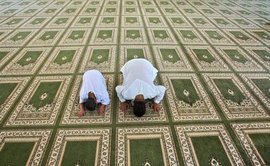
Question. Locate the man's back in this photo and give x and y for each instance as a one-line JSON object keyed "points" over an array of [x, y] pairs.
{"points": [[138, 69], [94, 81]]}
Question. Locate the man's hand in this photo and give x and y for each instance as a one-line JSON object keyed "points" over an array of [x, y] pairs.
{"points": [[124, 106], [82, 111], [101, 109], [156, 107]]}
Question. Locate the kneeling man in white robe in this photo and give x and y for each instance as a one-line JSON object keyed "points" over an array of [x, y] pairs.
{"points": [[93, 93], [138, 85]]}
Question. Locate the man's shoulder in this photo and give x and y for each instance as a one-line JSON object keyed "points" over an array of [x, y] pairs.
{"points": [[137, 61], [92, 72]]}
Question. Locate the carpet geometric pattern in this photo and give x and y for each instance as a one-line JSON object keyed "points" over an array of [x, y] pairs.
{"points": [[213, 58]]}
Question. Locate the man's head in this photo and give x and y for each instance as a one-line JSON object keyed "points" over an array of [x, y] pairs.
{"points": [[139, 106], [90, 103]]}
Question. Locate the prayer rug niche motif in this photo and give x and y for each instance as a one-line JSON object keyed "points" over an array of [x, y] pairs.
{"points": [[3, 33], [101, 58], [255, 138], [23, 147], [62, 60], [112, 3], [201, 22], [129, 3], [178, 21], [145, 145], [76, 36], [228, 12], [208, 12], [243, 23], [10, 89], [12, 23], [161, 36], [235, 100], [262, 35], [59, 4], [36, 22], [221, 22], [84, 22], [130, 52], [26, 62], [29, 12], [50, 11], [216, 37], [90, 10], [60, 22], [170, 10], [41, 103], [171, 58], [6, 53], [260, 84], [104, 36], [78, 4], [194, 139], [242, 37], [131, 21], [187, 98], [70, 116], [9, 11], [107, 21], [262, 54], [18, 37], [189, 36], [47, 37], [130, 10], [151, 11], [206, 59], [81, 147], [110, 10], [238, 59], [155, 21], [133, 36], [69, 11]]}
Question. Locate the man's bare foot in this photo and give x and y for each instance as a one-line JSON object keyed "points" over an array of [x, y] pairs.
{"points": [[80, 113]]}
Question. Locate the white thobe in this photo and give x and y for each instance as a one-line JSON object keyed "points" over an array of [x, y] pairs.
{"points": [[138, 79], [94, 82]]}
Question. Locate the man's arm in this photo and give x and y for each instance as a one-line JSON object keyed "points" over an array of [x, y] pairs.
{"points": [[155, 107], [81, 101], [101, 109], [123, 104], [158, 98], [82, 110], [119, 90], [160, 95]]}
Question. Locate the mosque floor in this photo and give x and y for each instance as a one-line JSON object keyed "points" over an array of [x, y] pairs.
{"points": [[213, 57]]}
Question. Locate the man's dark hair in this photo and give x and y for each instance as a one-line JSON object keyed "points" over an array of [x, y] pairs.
{"points": [[139, 108], [90, 104]]}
